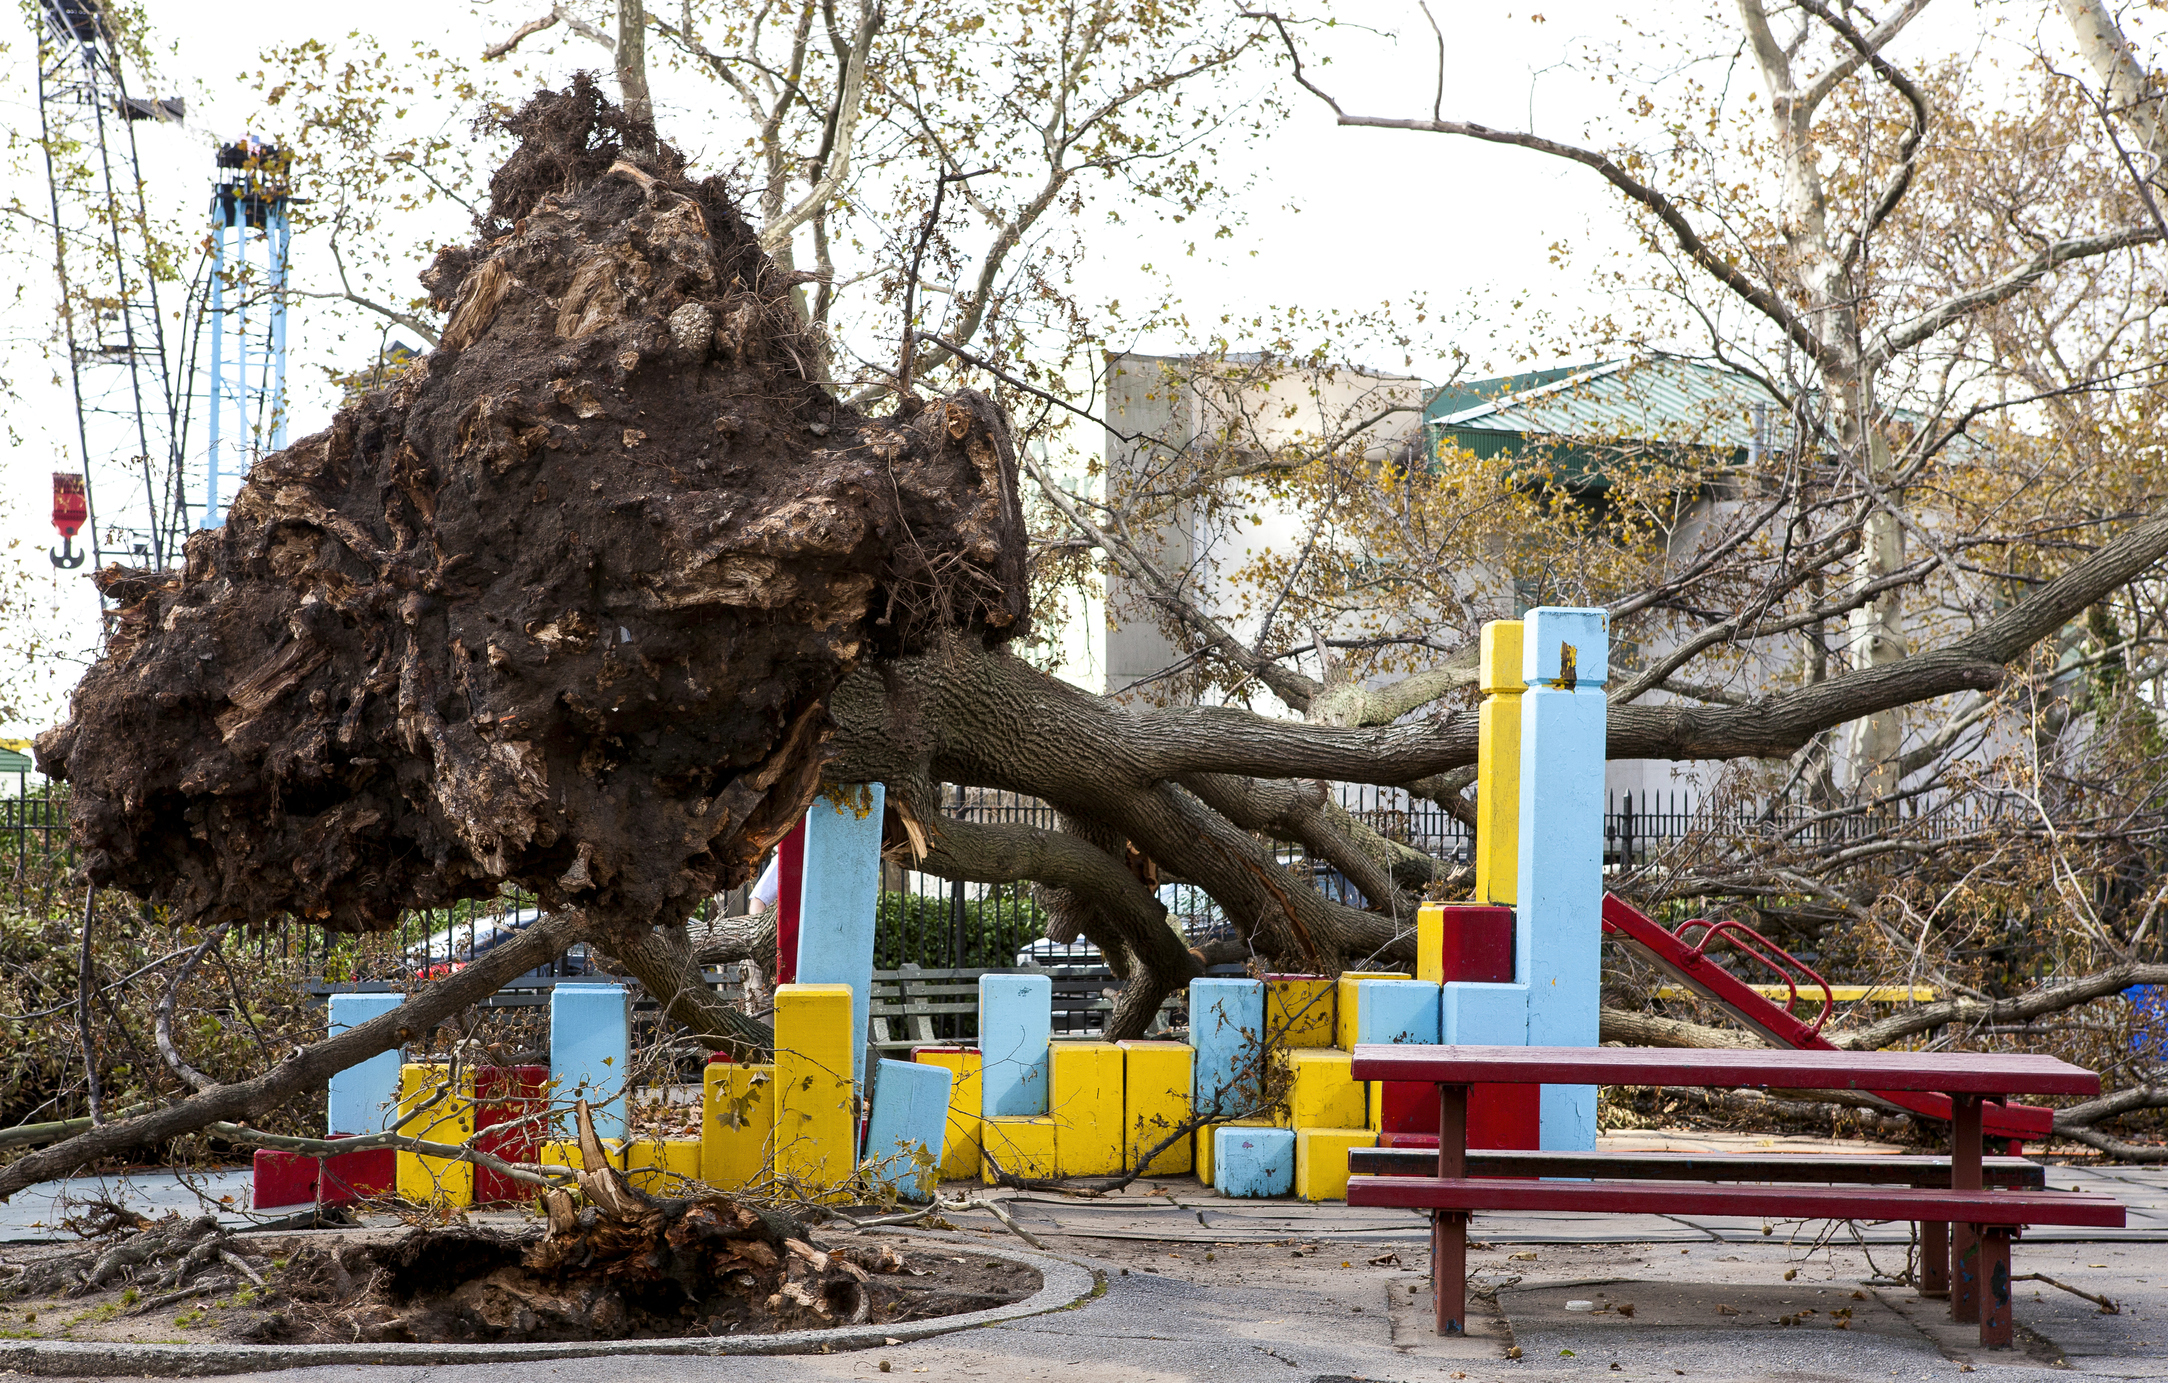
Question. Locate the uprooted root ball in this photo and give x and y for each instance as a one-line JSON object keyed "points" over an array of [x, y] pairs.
{"points": [[712, 1271], [561, 606]]}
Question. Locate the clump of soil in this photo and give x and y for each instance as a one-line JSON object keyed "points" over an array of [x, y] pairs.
{"points": [[709, 1276], [562, 606]]}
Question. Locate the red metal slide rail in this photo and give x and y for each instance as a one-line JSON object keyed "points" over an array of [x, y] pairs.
{"points": [[1683, 954]]}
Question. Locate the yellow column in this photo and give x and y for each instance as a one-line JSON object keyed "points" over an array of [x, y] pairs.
{"points": [[1085, 1101], [815, 1129], [1430, 943], [663, 1166], [737, 1120], [449, 1119], [1023, 1146], [1498, 766], [960, 1150], [1299, 1011], [1321, 1092], [1155, 1102]]}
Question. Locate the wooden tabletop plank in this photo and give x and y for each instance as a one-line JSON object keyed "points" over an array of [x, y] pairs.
{"points": [[1954, 1073]]}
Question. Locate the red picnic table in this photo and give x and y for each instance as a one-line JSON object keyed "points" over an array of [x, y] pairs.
{"points": [[1983, 1220]]}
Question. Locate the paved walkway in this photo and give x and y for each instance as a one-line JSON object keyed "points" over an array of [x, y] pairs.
{"points": [[1255, 1313]]}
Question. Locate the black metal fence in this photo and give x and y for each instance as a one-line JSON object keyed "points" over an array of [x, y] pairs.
{"points": [[949, 924]]}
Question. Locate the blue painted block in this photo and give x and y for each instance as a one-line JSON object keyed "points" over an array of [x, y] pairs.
{"points": [[591, 1054], [363, 1096], [1016, 1024], [1226, 1027], [839, 900], [1253, 1161], [1549, 631], [1397, 1011], [908, 1125], [1558, 916], [1483, 1015]]}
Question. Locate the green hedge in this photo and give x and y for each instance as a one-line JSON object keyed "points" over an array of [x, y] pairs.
{"points": [[922, 927]]}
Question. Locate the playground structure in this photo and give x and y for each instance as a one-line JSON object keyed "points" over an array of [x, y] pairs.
{"points": [[1260, 1100]]}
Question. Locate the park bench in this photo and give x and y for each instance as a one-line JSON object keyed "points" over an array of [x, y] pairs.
{"points": [[914, 1006], [1982, 1215]]}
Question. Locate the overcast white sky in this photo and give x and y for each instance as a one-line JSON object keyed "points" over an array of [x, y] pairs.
{"points": [[1338, 218]]}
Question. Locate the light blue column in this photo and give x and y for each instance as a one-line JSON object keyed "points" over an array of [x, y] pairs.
{"points": [[364, 1096], [840, 899], [591, 1046], [1397, 1011], [1016, 1026], [1565, 659], [908, 1121], [1226, 1027]]}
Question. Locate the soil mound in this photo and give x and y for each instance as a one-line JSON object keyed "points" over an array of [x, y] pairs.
{"points": [[561, 606]]}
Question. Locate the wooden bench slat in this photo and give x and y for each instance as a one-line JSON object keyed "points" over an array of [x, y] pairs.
{"points": [[1849, 1168], [1471, 1194]]}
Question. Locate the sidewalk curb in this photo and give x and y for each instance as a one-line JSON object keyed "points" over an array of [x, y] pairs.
{"points": [[1065, 1283]]}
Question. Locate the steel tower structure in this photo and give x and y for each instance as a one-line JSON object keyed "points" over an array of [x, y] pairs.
{"points": [[128, 415], [246, 393]]}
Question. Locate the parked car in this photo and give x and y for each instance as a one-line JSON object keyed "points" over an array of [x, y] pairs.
{"points": [[1045, 952], [453, 947]]}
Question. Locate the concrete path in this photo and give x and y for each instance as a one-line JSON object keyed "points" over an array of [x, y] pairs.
{"points": [[1259, 1313]]}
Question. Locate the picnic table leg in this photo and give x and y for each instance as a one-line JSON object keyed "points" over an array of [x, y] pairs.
{"points": [[1449, 1270], [1997, 1328], [1965, 1262], [1934, 1258], [1449, 1228]]}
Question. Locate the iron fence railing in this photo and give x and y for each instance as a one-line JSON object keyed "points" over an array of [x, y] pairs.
{"points": [[949, 924]]}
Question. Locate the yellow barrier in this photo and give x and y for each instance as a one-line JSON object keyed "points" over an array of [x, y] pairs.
{"points": [[1085, 1098], [446, 1119], [815, 1129], [1156, 1102], [960, 1150]]}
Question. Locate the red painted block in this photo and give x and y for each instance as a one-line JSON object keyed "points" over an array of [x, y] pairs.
{"points": [[282, 1178], [1477, 944], [358, 1175], [504, 1096], [1505, 1116], [291, 1178], [790, 885]]}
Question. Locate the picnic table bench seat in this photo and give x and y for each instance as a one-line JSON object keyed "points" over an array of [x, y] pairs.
{"points": [[1894, 1169], [1986, 1208]]}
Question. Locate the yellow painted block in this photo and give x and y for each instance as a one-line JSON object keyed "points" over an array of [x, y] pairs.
{"points": [[565, 1152], [1201, 1144], [1321, 1160], [663, 1166], [1498, 766], [1345, 1005], [960, 1152], [737, 1120], [1084, 1098], [816, 1144], [1430, 943], [1024, 1147], [1321, 1092], [1299, 1012], [450, 1119], [1155, 1102]]}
